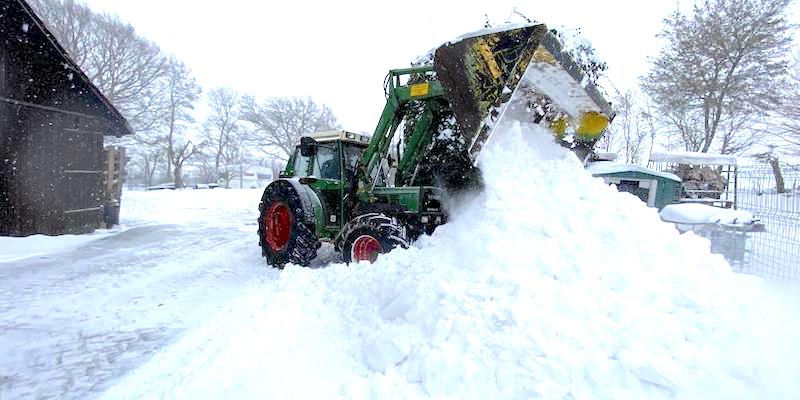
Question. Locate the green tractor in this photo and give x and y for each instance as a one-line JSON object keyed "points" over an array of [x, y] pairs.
{"points": [[368, 195]]}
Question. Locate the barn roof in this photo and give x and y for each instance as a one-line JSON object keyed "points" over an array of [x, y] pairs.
{"points": [[37, 31]]}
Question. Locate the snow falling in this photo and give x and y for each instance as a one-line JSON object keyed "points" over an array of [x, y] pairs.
{"points": [[547, 284]]}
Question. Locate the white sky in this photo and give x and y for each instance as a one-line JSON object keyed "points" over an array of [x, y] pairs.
{"points": [[338, 52]]}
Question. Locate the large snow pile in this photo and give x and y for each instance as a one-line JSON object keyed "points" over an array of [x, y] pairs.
{"points": [[547, 284]]}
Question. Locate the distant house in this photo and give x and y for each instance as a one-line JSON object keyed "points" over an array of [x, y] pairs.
{"points": [[52, 124], [251, 177]]}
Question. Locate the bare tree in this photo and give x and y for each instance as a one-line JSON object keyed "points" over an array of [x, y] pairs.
{"points": [[647, 118], [633, 127], [786, 122], [203, 161], [773, 160], [224, 165], [146, 160], [631, 130], [234, 156], [223, 131], [279, 122], [122, 64], [181, 92], [723, 67]]}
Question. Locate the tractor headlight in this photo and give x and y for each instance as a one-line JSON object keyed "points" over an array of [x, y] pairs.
{"points": [[424, 219]]}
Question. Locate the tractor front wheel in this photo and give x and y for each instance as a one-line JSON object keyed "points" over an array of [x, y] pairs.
{"points": [[283, 236], [370, 235]]}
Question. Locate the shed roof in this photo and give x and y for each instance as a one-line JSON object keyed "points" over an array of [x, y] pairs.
{"points": [[693, 158], [602, 168]]}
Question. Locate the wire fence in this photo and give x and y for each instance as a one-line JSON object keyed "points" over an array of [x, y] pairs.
{"points": [[775, 253]]}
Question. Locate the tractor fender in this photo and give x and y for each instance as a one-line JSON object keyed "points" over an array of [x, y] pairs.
{"points": [[312, 207]]}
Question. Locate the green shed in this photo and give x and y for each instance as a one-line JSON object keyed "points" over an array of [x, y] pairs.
{"points": [[657, 189]]}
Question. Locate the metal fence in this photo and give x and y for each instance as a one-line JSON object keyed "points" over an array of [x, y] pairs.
{"points": [[775, 253]]}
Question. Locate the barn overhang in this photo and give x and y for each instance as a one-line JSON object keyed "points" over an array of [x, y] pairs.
{"points": [[36, 72]]}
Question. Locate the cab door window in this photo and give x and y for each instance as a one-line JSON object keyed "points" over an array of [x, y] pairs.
{"points": [[352, 155], [300, 165], [326, 166]]}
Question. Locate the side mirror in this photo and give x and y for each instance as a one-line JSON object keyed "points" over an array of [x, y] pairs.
{"points": [[308, 147]]}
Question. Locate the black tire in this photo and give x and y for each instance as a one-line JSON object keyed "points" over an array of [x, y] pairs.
{"points": [[369, 235], [283, 234]]}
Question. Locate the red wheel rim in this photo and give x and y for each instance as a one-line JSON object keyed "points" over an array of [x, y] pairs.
{"points": [[366, 248], [277, 226]]}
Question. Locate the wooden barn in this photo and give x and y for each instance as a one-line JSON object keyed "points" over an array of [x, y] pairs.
{"points": [[54, 177]]}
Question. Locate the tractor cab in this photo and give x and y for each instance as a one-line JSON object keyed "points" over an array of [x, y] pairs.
{"points": [[329, 156], [326, 162]]}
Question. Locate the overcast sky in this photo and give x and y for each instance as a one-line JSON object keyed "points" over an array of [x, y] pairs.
{"points": [[338, 52]]}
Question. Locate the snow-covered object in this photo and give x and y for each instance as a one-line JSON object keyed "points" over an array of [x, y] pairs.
{"points": [[493, 29], [599, 168], [548, 284], [427, 58], [582, 52], [17, 248], [695, 213], [692, 158]]}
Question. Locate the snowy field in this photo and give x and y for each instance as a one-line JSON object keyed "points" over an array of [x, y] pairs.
{"points": [[548, 284]]}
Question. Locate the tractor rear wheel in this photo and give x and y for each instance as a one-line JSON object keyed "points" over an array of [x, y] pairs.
{"points": [[370, 235], [283, 236]]}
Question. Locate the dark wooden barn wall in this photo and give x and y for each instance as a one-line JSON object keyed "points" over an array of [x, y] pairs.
{"points": [[6, 162], [58, 186]]}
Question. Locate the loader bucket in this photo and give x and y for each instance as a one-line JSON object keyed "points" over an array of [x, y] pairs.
{"points": [[482, 75]]}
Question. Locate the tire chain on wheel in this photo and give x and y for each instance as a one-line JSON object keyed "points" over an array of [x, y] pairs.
{"points": [[303, 244], [389, 228]]}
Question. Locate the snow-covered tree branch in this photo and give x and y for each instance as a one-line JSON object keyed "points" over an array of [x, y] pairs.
{"points": [[722, 69]]}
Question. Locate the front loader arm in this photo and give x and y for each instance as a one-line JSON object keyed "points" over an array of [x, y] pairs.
{"points": [[382, 138], [397, 99]]}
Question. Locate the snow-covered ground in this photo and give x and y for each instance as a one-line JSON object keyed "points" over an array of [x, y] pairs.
{"points": [[73, 320], [549, 284], [14, 248]]}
